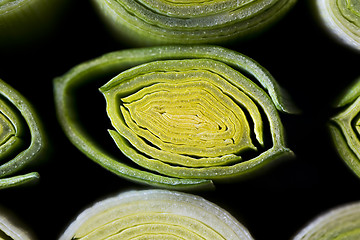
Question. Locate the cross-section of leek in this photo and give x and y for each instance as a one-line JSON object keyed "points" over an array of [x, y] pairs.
{"points": [[342, 19], [341, 223], [148, 22], [16, 113], [155, 214], [345, 127], [187, 113]]}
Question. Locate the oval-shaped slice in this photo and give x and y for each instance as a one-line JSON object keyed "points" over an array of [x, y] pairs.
{"points": [[155, 214], [186, 115]]}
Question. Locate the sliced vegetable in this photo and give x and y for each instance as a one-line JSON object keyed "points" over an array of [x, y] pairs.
{"points": [[344, 127], [11, 228], [186, 113], [339, 223], [155, 214], [17, 149], [342, 19], [148, 22]]}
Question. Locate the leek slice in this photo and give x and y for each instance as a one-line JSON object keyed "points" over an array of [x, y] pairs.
{"points": [[16, 113], [11, 228], [337, 224], [148, 22], [155, 214], [344, 127], [228, 114], [342, 19], [22, 21]]}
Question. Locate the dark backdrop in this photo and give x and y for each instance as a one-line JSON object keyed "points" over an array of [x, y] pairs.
{"points": [[275, 205]]}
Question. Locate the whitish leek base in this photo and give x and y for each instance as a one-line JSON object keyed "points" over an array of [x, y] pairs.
{"points": [[11, 228], [341, 19], [341, 223], [143, 213]]}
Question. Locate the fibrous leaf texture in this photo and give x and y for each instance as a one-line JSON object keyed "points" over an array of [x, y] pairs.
{"points": [[155, 214], [186, 114], [148, 22]]}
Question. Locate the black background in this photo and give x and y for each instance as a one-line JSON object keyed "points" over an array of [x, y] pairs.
{"points": [[305, 60]]}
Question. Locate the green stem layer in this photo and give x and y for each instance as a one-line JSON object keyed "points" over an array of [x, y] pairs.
{"points": [[162, 60], [16, 113], [345, 128], [149, 22]]}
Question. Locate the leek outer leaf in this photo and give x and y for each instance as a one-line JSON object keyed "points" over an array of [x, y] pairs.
{"points": [[339, 223], [24, 20], [11, 228], [344, 127], [149, 22], [342, 19], [216, 113], [16, 113], [155, 214]]}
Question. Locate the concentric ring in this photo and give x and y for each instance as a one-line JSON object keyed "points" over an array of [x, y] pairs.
{"points": [[155, 214], [185, 115]]}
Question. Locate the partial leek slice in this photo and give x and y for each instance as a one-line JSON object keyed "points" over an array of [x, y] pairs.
{"points": [[15, 114], [187, 113], [345, 128], [22, 21], [337, 224], [148, 22], [342, 19], [11, 228], [155, 214]]}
